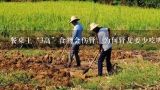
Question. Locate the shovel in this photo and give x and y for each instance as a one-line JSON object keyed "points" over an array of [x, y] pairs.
{"points": [[86, 70]]}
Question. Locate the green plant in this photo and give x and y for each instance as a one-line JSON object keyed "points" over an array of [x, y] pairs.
{"points": [[14, 77], [23, 16], [20, 77], [141, 72]]}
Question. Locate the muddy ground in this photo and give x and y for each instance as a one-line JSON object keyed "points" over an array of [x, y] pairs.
{"points": [[50, 66]]}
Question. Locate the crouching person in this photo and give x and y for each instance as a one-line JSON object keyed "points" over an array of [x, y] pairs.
{"points": [[105, 49]]}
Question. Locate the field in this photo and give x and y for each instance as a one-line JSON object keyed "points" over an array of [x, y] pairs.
{"points": [[47, 19], [56, 15], [44, 70], [39, 66]]}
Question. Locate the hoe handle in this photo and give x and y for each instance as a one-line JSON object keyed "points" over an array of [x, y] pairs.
{"points": [[94, 59], [86, 70]]}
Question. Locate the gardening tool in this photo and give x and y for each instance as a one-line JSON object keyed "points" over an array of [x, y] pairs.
{"points": [[86, 70]]}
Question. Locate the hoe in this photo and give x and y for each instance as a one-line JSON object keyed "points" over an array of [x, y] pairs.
{"points": [[86, 70]]}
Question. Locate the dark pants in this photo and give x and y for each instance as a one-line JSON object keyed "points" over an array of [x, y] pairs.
{"points": [[103, 55], [74, 52]]}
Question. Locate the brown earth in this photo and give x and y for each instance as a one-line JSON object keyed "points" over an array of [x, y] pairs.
{"points": [[51, 65]]}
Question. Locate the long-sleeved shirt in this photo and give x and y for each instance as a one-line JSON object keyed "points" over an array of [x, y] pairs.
{"points": [[77, 34], [103, 38]]}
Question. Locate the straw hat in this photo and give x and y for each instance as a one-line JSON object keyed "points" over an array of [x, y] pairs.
{"points": [[93, 26], [73, 18]]}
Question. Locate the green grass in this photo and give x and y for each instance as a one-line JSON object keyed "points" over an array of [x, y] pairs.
{"points": [[141, 72], [27, 52], [33, 52], [56, 15], [134, 72], [14, 77], [48, 19]]}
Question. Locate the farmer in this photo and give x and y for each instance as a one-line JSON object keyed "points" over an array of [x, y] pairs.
{"points": [[76, 41], [105, 49]]}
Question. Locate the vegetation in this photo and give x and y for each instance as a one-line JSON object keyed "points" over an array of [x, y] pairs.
{"points": [[55, 16], [48, 19], [140, 72], [21, 70], [141, 3], [135, 74], [42, 69], [14, 77], [27, 52]]}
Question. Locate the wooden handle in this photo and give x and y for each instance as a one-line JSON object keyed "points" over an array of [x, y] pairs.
{"points": [[94, 59]]}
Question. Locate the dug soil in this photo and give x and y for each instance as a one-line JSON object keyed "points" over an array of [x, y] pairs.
{"points": [[49, 70]]}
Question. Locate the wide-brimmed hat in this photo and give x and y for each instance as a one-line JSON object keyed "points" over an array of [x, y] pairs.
{"points": [[73, 18], [93, 26]]}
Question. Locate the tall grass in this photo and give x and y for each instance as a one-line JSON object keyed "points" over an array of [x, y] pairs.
{"points": [[56, 15]]}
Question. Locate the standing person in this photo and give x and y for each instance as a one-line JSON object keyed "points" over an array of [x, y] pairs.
{"points": [[105, 47], [76, 41]]}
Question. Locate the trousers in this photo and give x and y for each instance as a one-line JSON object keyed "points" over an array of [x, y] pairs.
{"points": [[74, 52], [105, 55]]}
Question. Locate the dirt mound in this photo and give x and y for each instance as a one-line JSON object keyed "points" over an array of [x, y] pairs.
{"points": [[49, 70], [145, 55], [40, 67]]}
